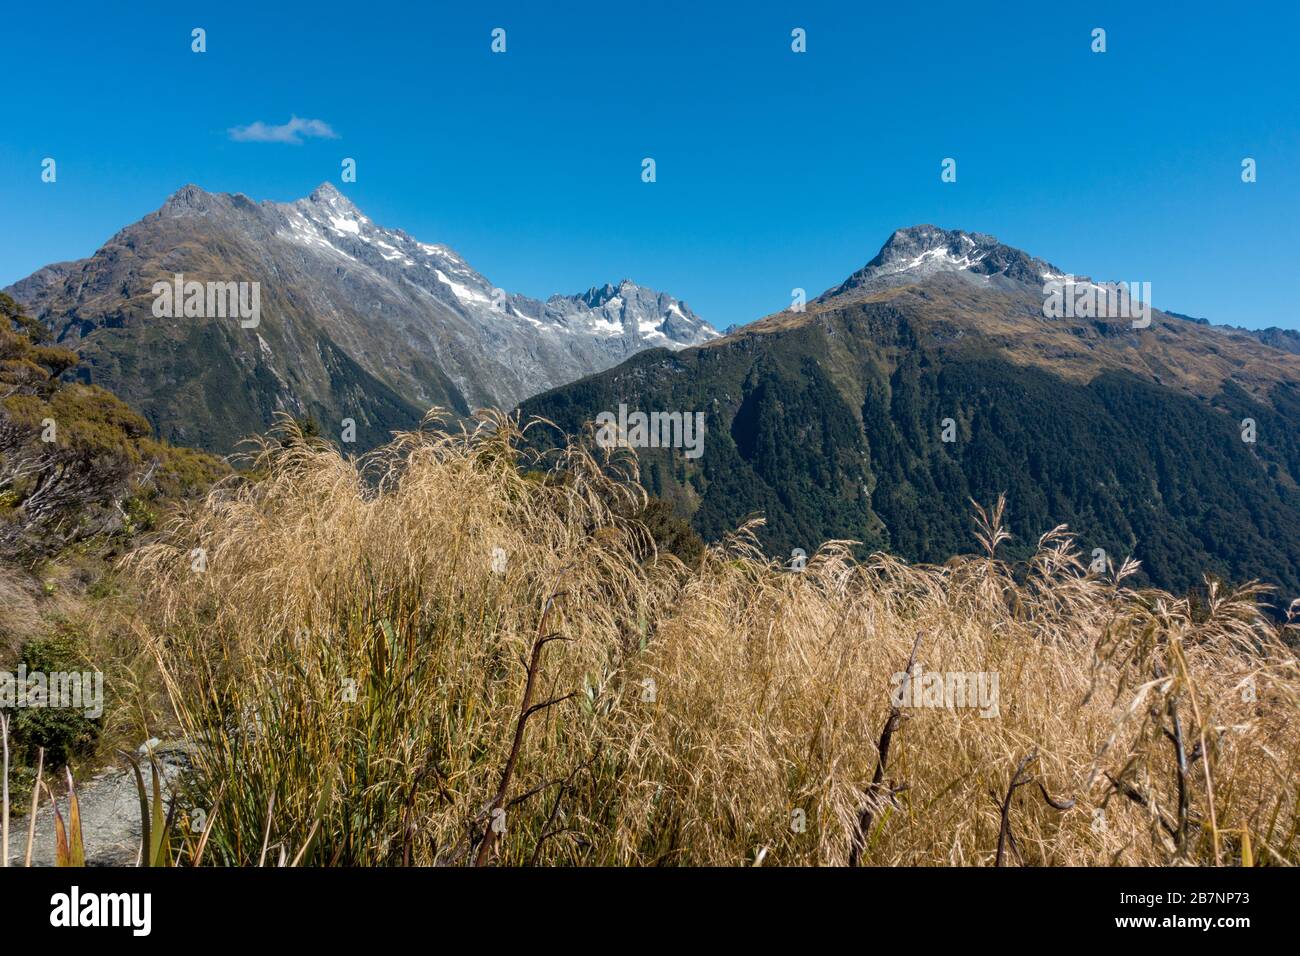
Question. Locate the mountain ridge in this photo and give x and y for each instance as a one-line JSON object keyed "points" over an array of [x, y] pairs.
{"points": [[359, 322], [880, 410], [924, 249]]}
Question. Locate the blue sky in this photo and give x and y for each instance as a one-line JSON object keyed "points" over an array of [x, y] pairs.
{"points": [[775, 169]]}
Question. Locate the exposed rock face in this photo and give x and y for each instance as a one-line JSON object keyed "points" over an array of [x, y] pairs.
{"points": [[918, 252], [356, 322]]}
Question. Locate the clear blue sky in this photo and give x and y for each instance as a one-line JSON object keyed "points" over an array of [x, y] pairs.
{"points": [[775, 170]]}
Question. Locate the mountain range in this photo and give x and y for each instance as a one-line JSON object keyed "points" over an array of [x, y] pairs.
{"points": [[356, 322], [933, 377]]}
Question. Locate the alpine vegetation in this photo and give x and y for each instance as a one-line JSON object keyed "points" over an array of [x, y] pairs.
{"points": [[455, 651]]}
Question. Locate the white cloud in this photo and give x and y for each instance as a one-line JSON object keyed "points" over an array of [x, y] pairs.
{"points": [[290, 132]]}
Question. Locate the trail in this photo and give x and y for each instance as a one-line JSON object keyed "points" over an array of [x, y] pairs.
{"points": [[110, 816]]}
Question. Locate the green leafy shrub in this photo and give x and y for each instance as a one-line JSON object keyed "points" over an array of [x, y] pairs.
{"points": [[62, 732]]}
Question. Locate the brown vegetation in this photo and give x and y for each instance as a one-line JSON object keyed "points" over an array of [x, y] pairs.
{"points": [[368, 683]]}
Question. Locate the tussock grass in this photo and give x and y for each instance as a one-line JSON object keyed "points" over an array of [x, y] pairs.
{"points": [[352, 670]]}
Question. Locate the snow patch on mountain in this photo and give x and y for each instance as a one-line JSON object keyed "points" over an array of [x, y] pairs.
{"points": [[914, 254], [626, 312]]}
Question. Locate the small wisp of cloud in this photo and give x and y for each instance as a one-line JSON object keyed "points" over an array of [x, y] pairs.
{"points": [[291, 132]]}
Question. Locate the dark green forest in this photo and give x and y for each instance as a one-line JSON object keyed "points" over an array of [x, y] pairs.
{"points": [[1134, 468]]}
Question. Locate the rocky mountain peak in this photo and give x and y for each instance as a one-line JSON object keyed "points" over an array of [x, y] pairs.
{"points": [[917, 252], [357, 320], [597, 296], [641, 313], [326, 194], [188, 199]]}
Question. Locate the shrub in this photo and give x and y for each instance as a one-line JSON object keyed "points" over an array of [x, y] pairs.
{"points": [[62, 732]]}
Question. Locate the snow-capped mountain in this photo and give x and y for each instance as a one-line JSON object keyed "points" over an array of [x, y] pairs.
{"points": [[328, 221], [934, 376], [357, 321], [918, 252], [630, 309]]}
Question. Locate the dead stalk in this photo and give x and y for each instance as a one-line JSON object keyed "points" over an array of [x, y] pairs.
{"points": [[863, 830], [36, 800], [526, 709]]}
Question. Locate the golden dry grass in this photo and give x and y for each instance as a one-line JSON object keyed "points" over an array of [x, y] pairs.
{"points": [[352, 669]]}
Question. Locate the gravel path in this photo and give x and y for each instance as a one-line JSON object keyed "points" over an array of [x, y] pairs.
{"points": [[110, 817]]}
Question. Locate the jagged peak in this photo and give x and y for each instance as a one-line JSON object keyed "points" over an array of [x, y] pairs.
{"points": [[328, 196], [598, 295], [327, 192], [188, 196], [919, 251], [188, 190]]}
